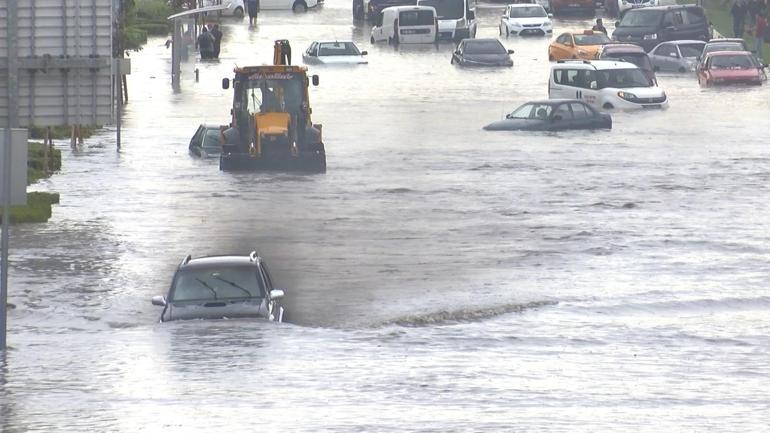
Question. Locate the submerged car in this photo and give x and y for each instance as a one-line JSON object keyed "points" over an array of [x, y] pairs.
{"points": [[219, 287], [730, 67], [552, 115], [628, 53], [207, 142], [724, 44], [481, 52], [334, 53], [581, 45], [677, 56], [525, 19]]}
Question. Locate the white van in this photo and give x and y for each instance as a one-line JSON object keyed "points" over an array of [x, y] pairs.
{"points": [[456, 18], [605, 84], [406, 25]]}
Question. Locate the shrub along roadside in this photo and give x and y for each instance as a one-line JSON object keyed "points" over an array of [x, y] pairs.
{"points": [[718, 13], [38, 207]]}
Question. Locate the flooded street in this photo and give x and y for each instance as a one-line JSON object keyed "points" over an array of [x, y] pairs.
{"points": [[439, 277]]}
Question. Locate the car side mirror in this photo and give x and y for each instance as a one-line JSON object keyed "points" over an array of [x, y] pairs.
{"points": [[276, 294], [510, 51], [315, 80], [363, 53], [617, 23], [508, 116], [593, 85], [160, 301], [550, 15], [471, 15], [225, 83]]}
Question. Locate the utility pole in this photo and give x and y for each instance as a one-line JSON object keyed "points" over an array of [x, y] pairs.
{"points": [[13, 122]]}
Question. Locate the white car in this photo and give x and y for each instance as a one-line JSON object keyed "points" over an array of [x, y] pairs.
{"points": [[334, 53], [235, 8], [406, 25], [287, 5], [605, 85], [525, 19], [624, 5]]}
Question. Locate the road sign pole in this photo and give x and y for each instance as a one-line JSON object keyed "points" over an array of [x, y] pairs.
{"points": [[13, 121]]}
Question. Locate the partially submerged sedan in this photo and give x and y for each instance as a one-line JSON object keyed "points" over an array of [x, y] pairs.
{"points": [[221, 287], [334, 53], [206, 142], [730, 67], [552, 115], [481, 52]]}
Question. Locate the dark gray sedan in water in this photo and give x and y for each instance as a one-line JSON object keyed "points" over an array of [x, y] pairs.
{"points": [[221, 287], [481, 52], [552, 115]]}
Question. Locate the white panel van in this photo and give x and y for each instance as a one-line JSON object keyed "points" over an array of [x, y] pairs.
{"points": [[406, 25]]}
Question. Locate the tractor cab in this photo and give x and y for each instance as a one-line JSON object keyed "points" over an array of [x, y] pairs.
{"points": [[271, 127]]}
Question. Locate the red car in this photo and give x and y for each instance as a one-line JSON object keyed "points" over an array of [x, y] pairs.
{"points": [[730, 67]]}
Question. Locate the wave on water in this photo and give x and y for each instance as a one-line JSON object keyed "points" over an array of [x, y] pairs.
{"points": [[401, 190], [465, 315], [693, 306]]}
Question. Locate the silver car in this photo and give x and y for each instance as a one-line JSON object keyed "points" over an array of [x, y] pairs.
{"points": [[221, 287], [676, 56]]}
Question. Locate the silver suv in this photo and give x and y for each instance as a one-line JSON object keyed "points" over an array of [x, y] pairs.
{"points": [[220, 287]]}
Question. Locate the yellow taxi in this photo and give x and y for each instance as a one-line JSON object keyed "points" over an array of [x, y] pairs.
{"points": [[577, 45]]}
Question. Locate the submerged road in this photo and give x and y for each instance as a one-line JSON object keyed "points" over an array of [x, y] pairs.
{"points": [[438, 276]]}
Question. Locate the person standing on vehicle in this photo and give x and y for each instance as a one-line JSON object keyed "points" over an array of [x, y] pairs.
{"points": [[253, 7], [599, 27], [738, 11], [217, 34], [205, 44]]}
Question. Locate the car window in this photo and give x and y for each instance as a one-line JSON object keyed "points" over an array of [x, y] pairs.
{"points": [[564, 39], [691, 50], [528, 12], [694, 16], [666, 50], [415, 18], [733, 62], [565, 76], [641, 18], [668, 19], [211, 138], [579, 111], [378, 22], [562, 112], [337, 49], [483, 47], [222, 282], [623, 78], [593, 39]]}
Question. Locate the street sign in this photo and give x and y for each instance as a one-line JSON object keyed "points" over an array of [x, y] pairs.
{"points": [[18, 177], [63, 54]]}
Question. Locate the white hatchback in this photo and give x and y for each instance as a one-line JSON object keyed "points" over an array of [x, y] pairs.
{"points": [[525, 19], [605, 85]]}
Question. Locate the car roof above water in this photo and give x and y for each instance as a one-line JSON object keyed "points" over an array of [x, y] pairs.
{"points": [[598, 65], [213, 261]]}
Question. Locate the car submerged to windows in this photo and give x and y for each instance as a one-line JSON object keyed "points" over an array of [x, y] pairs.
{"points": [[206, 142], [730, 67], [481, 52], [334, 53], [677, 56], [221, 287], [552, 115]]}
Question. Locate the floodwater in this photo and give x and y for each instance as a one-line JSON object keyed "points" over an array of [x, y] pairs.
{"points": [[439, 277]]}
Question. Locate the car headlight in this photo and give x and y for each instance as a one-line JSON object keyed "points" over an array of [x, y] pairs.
{"points": [[627, 96], [650, 37], [515, 23], [547, 24]]}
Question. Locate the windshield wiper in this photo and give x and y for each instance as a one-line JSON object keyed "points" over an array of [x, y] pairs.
{"points": [[205, 284], [233, 284]]}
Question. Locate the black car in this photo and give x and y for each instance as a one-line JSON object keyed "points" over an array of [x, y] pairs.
{"points": [[206, 142], [481, 52], [370, 9], [552, 115], [650, 26], [220, 287]]}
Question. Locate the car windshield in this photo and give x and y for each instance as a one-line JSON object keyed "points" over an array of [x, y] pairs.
{"points": [[415, 18], [484, 47], [528, 12], [593, 39], [446, 9], [639, 59], [733, 62], [691, 50], [623, 78], [641, 18], [531, 111], [338, 49], [217, 283], [211, 138], [723, 46]]}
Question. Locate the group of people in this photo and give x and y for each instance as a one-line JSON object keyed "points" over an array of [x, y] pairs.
{"points": [[757, 14], [209, 42]]}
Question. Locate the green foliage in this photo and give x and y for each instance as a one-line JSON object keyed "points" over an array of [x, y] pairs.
{"points": [[143, 18], [61, 132], [37, 210]]}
